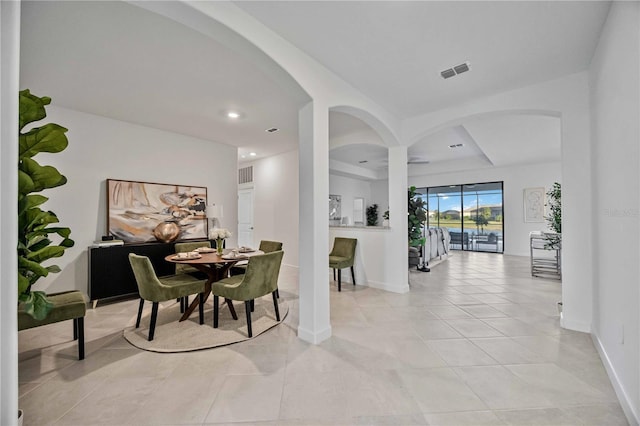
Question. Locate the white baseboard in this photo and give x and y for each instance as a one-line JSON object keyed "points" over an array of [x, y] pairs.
{"points": [[388, 287], [574, 325], [625, 401], [314, 338]]}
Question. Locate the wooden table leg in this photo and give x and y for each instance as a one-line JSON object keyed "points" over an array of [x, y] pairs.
{"points": [[213, 276]]}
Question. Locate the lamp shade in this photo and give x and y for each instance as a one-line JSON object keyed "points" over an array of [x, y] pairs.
{"points": [[214, 211]]}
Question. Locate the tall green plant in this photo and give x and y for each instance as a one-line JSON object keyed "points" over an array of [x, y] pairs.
{"points": [[34, 245], [554, 220], [417, 217]]}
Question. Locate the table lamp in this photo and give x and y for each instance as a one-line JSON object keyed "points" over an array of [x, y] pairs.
{"points": [[215, 213]]}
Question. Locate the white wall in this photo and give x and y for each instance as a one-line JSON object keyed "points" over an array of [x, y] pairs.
{"points": [[349, 189], [9, 78], [101, 148], [615, 107], [515, 178], [275, 202]]}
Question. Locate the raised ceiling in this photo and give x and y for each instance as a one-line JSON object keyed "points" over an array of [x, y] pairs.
{"points": [[122, 61], [393, 51]]}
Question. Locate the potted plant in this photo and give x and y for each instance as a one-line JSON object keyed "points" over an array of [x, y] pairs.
{"points": [[385, 218], [417, 216], [554, 219], [34, 245], [372, 215]]}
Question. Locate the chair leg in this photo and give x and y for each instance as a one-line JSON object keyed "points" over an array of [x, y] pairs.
{"points": [[79, 325], [247, 307], [181, 299], [253, 305], [200, 307], [353, 276], [275, 305], [215, 311], [79, 328], [139, 312], [277, 293], [339, 279], [334, 274], [75, 329], [154, 316]]}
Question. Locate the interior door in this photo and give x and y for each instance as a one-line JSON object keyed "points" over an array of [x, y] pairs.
{"points": [[245, 217]]}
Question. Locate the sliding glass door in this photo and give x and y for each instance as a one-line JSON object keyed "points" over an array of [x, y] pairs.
{"points": [[473, 214]]}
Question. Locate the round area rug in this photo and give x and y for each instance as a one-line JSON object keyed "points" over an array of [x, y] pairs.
{"points": [[174, 336]]}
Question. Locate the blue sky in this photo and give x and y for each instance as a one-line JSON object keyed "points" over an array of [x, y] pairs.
{"points": [[452, 201]]}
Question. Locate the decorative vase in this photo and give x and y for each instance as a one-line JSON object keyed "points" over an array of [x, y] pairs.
{"points": [[166, 232], [219, 248]]}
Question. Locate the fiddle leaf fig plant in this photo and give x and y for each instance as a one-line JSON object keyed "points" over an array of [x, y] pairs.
{"points": [[34, 245]]}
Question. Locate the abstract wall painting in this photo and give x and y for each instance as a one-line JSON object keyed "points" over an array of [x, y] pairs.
{"points": [[533, 204], [137, 209]]}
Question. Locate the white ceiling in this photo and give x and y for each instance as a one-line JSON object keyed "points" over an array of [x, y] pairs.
{"points": [[120, 61], [393, 51], [124, 62]]}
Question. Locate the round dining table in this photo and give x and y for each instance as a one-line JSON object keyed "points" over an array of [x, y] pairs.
{"points": [[216, 267]]}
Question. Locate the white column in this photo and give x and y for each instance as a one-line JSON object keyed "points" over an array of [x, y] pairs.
{"points": [[577, 250], [397, 252], [314, 325], [9, 80]]}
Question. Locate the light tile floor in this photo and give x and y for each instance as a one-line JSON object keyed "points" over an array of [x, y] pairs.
{"points": [[475, 342]]}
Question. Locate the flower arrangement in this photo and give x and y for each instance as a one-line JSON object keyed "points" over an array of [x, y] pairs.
{"points": [[219, 234]]}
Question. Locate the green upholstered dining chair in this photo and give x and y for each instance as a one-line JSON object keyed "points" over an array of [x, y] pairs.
{"points": [[187, 247], [188, 269], [343, 256], [265, 246], [157, 290], [260, 279], [269, 246]]}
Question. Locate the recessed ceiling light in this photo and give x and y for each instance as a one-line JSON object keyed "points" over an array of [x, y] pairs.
{"points": [[253, 154], [233, 114], [272, 130], [243, 156]]}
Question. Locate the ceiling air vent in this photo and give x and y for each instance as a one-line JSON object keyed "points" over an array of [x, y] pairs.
{"points": [[458, 69], [448, 73], [245, 175]]}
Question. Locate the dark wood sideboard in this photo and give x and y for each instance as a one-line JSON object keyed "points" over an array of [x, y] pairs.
{"points": [[110, 273]]}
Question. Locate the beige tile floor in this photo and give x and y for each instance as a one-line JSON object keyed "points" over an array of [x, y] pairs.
{"points": [[475, 342]]}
